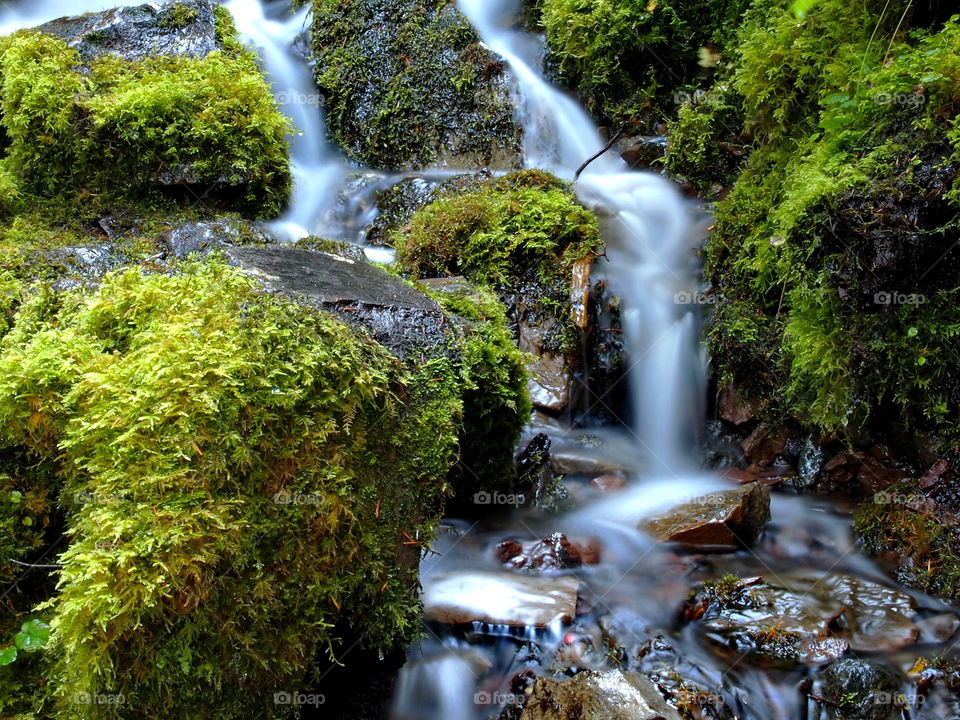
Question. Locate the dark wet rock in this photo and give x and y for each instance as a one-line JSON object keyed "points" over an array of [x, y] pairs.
{"points": [[940, 471], [83, 265], [184, 27], [363, 295], [938, 628], [859, 689], [840, 471], [555, 552], [409, 85], [203, 236], [611, 695], [533, 467], [550, 374], [728, 518], [601, 391], [784, 620], [721, 447], [644, 152], [502, 598], [736, 407], [765, 443]]}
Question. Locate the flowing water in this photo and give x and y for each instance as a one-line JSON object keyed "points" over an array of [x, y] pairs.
{"points": [[468, 671]]}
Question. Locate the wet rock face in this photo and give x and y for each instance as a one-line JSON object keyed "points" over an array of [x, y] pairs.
{"points": [[362, 295], [860, 689], [783, 620], [408, 84], [554, 552], [184, 27], [612, 695], [728, 518]]}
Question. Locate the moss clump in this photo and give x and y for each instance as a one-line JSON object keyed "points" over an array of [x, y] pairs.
{"points": [[628, 57], [254, 467], [125, 127], [519, 234], [834, 252], [904, 521], [240, 474], [409, 84], [493, 381]]}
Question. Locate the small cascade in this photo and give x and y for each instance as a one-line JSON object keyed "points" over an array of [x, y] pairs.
{"points": [[319, 172]]}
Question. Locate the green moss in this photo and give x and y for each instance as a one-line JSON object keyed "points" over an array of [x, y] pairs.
{"points": [[899, 520], [118, 130], [493, 377], [409, 84], [628, 57], [846, 200], [519, 234], [240, 474], [178, 16], [198, 413]]}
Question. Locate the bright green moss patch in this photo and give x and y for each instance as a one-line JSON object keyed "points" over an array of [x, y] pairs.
{"points": [[626, 58], [834, 252], [239, 475], [409, 84], [493, 380], [519, 234], [248, 479], [127, 127]]}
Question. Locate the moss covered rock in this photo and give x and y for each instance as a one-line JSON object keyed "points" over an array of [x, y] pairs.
{"points": [[833, 256], [106, 125], [522, 235], [629, 60], [240, 472], [407, 83]]}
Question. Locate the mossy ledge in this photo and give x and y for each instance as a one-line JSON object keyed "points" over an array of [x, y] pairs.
{"points": [[519, 235]]}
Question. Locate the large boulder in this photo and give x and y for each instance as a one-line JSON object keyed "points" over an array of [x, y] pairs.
{"points": [[409, 84], [133, 104]]}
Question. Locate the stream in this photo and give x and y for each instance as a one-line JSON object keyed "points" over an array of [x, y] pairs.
{"points": [[513, 624]]}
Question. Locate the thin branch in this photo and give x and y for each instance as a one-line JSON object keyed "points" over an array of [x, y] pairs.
{"points": [[604, 149], [41, 567]]}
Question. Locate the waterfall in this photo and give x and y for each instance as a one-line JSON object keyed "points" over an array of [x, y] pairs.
{"points": [[650, 239]]}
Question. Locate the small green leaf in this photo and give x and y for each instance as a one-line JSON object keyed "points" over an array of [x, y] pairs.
{"points": [[15, 496], [931, 77], [800, 8], [921, 360], [8, 655], [33, 636], [912, 332]]}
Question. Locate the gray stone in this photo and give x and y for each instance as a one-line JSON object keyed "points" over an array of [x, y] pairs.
{"points": [[395, 314], [185, 27]]}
